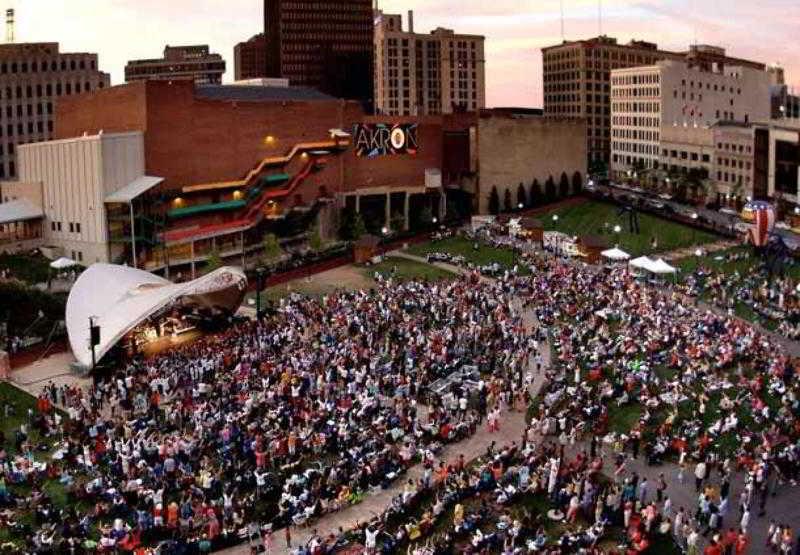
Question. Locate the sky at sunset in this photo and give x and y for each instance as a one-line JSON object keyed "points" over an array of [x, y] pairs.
{"points": [[515, 30]]}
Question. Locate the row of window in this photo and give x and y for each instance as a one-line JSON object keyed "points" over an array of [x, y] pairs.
{"points": [[74, 227], [11, 93], [44, 65], [637, 91], [640, 79]]}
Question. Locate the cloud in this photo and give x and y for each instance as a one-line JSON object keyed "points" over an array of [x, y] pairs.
{"points": [[515, 30]]}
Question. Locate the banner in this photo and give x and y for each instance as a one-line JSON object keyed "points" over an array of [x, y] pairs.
{"points": [[385, 139]]}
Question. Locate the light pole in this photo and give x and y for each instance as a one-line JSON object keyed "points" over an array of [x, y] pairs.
{"points": [[698, 253], [617, 231], [555, 223], [694, 227], [260, 275], [94, 338], [384, 237]]}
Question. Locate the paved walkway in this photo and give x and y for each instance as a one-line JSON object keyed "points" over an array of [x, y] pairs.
{"points": [[708, 248]]}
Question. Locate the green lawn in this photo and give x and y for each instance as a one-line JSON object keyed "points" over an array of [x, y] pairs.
{"points": [[405, 270], [590, 218], [20, 402], [744, 266], [461, 246], [623, 419]]}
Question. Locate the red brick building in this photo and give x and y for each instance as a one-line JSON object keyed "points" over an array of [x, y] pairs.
{"points": [[232, 157]]}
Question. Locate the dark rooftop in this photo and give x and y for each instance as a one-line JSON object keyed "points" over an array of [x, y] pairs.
{"points": [[255, 93]]}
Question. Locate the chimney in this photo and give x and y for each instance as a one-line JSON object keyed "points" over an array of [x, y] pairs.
{"points": [[10, 25], [410, 21]]}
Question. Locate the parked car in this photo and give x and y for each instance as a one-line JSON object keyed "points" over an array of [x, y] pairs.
{"points": [[654, 204]]}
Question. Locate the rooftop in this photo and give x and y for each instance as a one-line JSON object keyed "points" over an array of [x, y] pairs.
{"points": [[245, 93]]}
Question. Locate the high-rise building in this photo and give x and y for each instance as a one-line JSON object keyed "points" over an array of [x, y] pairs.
{"points": [[179, 62], [250, 58], [419, 74], [577, 78], [33, 76], [325, 45]]}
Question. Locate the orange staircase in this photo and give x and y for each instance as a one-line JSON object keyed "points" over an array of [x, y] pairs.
{"points": [[254, 214]]}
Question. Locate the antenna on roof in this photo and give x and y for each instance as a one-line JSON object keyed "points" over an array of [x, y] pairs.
{"points": [[10, 25], [562, 20], [600, 17]]}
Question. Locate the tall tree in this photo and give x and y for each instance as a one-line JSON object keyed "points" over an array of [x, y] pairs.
{"points": [[522, 198], [550, 189], [577, 183], [494, 202], [563, 186], [536, 193], [507, 200]]}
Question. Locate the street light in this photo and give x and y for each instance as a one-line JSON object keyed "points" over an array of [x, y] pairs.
{"points": [[694, 229], [435, 220], [698, 253], [520, 206], [555, 218], [260, 281], [617, 229], [797, 210]]}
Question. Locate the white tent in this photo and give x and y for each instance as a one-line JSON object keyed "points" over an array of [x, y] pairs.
{"points": [[661, 267], [119, 298], [642, 262], [62, 263], [615, 254]]}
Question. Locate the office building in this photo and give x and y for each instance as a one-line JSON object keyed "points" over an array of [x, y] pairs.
{"points": [[419, 74], [33, 76], [646, 99], [250, 59], [577, 77], [324, 45], [179, 62]]}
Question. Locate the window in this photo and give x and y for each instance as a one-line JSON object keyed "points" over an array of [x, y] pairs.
{"points": [[77, 227], [71, 227]]}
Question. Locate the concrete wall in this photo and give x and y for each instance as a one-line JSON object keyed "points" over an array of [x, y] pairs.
{"points": [[76, 176], [514, 150], [17, 190]]}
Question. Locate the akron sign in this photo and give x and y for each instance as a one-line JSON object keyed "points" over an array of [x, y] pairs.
{"points": [[385, 139]]}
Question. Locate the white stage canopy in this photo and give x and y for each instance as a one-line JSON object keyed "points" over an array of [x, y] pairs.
{"points": [[119, 298], [615, 254]]}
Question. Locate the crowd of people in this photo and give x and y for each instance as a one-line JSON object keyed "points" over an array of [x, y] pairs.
{"points": [[774, 299], [277, 421]]}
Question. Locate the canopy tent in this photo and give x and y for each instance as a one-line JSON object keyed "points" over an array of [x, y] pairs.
{"points": [[62, 263], [119, 298], [661, 267], [642, 262], [615, 254]]}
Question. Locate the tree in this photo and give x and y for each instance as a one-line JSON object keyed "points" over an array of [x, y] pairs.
{"points": [[272, 249], [494, 202], [522, 198], [214, 261], [507, 200], [352, 225], [536, 193], [577, 183], [550, 189], [315, 241], [563, 186]]}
